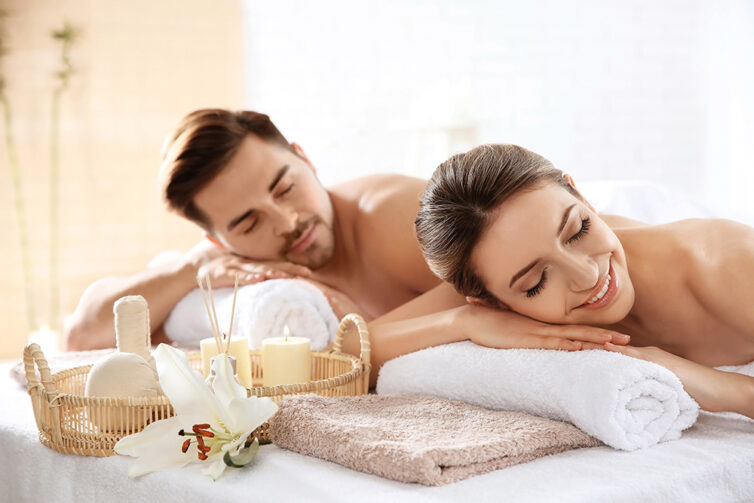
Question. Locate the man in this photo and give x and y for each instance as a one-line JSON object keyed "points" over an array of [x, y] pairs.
{"points": [[266, 215]]}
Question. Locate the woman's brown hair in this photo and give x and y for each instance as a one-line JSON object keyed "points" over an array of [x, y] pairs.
{"points": [[200, 147], [459, 201]]}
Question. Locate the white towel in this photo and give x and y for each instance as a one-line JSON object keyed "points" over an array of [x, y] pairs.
{"points": [[627, 403], [262, 309]]}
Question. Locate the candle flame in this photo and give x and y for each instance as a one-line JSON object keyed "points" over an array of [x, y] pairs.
{"points": [[286, 332]]}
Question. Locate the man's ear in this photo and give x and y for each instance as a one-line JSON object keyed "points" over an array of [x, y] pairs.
{"points": [[569, 179], [300, 152], [212, 239]]}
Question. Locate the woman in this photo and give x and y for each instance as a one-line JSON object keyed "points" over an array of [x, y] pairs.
{"points": [[684, 291]]}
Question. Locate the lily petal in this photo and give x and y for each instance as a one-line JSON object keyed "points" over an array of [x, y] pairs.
{"points": [[184, 387], [157, 446], [215, 468], [249, 413], [225, 385]]}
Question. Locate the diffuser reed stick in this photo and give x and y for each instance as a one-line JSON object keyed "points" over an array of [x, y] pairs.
{"points": [[232, 313], [212, 324]]}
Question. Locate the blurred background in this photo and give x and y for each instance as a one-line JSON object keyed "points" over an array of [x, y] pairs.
{"points": [[607, 90]]}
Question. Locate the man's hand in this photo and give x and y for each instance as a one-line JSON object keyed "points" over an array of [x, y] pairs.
{"points": [[495, 328], [222, 267]]}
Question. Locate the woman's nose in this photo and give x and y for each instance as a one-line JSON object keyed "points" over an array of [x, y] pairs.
{"points": [[583, 273]]}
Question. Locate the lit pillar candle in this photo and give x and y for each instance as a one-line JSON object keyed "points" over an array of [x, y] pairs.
{"points": [[239, 348], [286, 360]]}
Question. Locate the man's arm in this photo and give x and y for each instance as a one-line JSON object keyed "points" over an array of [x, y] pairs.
{"points": [[91, 325]]}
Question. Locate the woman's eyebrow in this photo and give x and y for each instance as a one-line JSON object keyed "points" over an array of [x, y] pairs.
{"points": [[563, 222], [520, 273]]}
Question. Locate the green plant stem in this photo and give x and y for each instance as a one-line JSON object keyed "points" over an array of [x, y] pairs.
{"points": [[55, 321], [66, 36], [20, 213]]}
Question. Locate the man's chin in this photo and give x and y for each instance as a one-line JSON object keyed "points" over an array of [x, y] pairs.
{"points": [[314, 260]]}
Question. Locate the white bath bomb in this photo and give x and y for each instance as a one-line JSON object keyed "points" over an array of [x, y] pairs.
{"points": [[121, 375]]}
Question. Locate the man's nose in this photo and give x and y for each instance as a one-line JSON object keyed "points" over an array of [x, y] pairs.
{"points": [[583, 272], [286, 221]]}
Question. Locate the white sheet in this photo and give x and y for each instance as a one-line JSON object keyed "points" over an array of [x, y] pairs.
{"points": [[714, 461]]}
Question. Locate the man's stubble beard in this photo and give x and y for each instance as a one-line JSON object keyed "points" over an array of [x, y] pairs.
{"points": [[319, 253]]}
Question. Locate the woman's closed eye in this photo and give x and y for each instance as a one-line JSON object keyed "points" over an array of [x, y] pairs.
{"points": [[536, 289], [585, 224]]}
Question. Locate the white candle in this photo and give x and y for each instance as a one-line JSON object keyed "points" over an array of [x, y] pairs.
{"points": [[286, 360], [239, 349], [48, 340]]}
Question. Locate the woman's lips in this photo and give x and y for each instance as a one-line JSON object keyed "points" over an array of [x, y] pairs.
{"points": [[303, 243], [609, 295]]}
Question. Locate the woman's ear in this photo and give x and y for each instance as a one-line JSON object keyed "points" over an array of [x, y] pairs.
{"points": [[214, 241], [300, 152], [569, 179]]}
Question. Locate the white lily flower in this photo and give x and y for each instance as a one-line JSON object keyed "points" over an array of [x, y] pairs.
{"points": [[206, 425]]}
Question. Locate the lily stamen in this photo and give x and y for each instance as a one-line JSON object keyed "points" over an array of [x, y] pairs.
{"points": [[186, 445]]}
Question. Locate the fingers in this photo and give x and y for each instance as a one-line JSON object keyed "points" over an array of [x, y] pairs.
{"points": [[549, 342], [625, 350], [584, 333]]}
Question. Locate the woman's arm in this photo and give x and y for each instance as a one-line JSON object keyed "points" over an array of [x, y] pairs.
{"points": [[435, 318], [714, 390]]}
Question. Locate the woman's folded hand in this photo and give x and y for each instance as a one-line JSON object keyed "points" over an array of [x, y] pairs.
{"points": [[496, 328]]}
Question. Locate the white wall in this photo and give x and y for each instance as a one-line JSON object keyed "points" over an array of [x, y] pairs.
{"points": [[605, 89]]}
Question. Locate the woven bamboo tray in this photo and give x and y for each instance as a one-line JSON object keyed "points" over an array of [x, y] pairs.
{"points": [[72, 423]]}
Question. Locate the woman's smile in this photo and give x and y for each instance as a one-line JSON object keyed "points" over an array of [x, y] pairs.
{"points": [[604, 293]]}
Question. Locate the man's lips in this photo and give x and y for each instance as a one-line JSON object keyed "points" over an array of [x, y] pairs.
{"points": [[608, 296], [306, 239]]}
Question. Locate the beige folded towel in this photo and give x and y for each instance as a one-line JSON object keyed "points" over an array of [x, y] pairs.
{"points": [[410, 438]]}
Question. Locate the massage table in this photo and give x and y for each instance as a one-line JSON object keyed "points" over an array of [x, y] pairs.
{"points": [[713, 461]]}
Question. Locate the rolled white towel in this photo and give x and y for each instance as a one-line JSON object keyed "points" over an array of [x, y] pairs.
{"points": [[626, 403], [262, 309]]}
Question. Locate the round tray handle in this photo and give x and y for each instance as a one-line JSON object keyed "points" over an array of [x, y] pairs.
{"points": [[361, 326], [33, 355]]}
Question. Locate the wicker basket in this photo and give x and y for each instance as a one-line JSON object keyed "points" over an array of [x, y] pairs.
{"points": [[70, 422]]}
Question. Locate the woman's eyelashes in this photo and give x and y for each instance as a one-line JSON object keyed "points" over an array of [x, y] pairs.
{"points": [[585, 224], [536, 289]]}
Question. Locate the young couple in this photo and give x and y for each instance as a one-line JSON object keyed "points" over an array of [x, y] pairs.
{"points": [[527, 263]]}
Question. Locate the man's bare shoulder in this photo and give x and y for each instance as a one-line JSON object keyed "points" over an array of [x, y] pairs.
{"points": [[383, 226], [377, 189]]}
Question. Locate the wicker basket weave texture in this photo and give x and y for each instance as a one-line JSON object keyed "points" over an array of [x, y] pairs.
{"points": [[72, 423]]}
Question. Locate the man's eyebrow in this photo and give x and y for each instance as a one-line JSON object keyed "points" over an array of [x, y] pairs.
{"points": [[239, 219], [526, 269], [281, 173]]}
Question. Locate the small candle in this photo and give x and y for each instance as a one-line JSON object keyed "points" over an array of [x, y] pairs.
{"points": [[286, 360], [47, 339], [239, 349]]}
